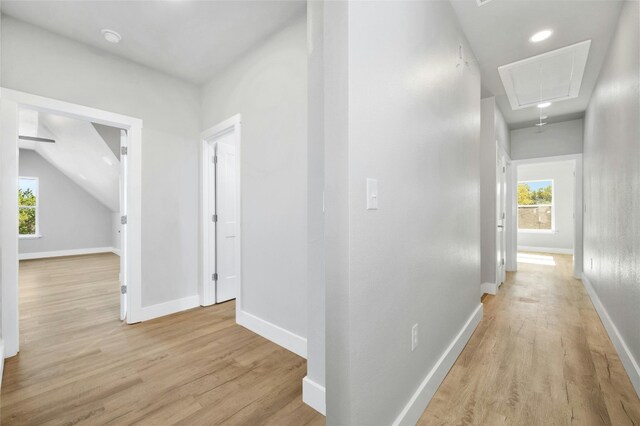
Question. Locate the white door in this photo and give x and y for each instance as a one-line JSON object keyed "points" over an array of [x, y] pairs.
{"points": [[227, 252], [123, 228], [501, 204]]}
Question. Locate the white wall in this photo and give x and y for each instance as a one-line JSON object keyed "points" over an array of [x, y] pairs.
{"points": [[69, 217], [169, 109], [612, 186], [555, 139], [399, 111], [493, 128], [268, 87], [562, 173]]}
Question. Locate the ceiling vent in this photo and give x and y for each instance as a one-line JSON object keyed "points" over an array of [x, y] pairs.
{"points": [[549, 77], [482, 2]]}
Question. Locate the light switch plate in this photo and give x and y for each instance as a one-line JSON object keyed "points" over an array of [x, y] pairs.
{"points": [[372, 194]]}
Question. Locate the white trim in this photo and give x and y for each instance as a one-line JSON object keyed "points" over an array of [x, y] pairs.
{"points": [[61, 253], [488, 288], [1, 360], [422, 396], [553, 250], [167, 308], [10, 102], [206, 291], [278, 335], [551, 159], [628, 361], [314, 395]]}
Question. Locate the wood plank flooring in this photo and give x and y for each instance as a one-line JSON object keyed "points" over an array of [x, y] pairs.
{"points": [[540, 356], [79, 364]]}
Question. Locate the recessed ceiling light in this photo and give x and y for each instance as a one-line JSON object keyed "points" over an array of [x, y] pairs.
{"points": [[540, 124], [111, 36], [540, 36], [544, 105], [544, 117]]}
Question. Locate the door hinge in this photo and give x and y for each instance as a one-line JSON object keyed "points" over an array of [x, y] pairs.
{"points": [[123, 220], [214, 218], [123, 289], [215, 159], [504, 169], [214, 277], [503, 215], [123, 150], [502, 261]]}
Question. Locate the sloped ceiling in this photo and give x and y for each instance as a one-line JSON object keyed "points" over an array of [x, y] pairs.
{"points": [[191, 40], [79, 152]]}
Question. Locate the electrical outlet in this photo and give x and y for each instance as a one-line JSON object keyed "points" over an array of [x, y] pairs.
{"points": [[414, 337]]}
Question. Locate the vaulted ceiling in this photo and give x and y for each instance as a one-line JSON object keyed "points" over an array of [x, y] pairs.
{"points": [[188, 39], [499, 32]]}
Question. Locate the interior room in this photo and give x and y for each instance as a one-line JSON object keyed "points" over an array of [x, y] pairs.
{"points": [[320, 212]]}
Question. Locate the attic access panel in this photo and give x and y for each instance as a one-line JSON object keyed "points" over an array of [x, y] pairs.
{"points": [[552, 76]]}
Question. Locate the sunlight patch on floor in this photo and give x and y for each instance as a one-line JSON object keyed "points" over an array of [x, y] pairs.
{"points": [[536, 259]]}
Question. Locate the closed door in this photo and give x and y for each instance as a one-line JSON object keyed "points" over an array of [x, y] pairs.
{"points": [[501, 201], [123, 228], [227, 223]]}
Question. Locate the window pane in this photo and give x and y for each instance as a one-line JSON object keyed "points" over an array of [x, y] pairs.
{"points": [[27, 221], [534, 217], [532, 193], [27, 190]]}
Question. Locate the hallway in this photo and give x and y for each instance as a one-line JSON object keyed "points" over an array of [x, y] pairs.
{"points": [[540, 356], [79, 364]]}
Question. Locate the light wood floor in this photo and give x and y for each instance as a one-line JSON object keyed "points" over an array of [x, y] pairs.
{"points": [[79, 364], [540, 356]]}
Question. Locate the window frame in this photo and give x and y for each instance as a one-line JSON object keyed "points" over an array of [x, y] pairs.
{"points": [[552, 205], [35, 207]]}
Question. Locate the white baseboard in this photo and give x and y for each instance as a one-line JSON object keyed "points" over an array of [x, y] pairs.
{"points": [[2, 360], [489, 288], [420, 399], [552, 250], [278, 335], [629, 362], [167, 308], [60, 253], [314, 395]]}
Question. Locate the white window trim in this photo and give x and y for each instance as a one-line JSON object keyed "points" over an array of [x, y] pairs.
{"points": [[553, 229], [37, 209]]}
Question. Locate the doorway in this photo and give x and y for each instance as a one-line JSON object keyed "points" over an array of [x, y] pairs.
{"points": [[548, 204], [221, 213], [12, 103]]}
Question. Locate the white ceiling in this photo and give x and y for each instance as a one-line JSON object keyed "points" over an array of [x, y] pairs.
{"points": [[79, 152], [499, 32], [188, 39]]}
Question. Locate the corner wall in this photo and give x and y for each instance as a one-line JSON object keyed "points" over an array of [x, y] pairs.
{"points": [[611, 192], [268, 87], [552, 140]]}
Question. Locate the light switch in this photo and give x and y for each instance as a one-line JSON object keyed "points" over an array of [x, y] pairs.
{"points": [[372, 194]]}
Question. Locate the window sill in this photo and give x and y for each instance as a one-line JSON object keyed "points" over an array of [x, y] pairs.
{"points": [[29, 237], [538, 231]]}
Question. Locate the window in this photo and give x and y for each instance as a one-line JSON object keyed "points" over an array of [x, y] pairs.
{"points": [[535, 205], [28, 207]]}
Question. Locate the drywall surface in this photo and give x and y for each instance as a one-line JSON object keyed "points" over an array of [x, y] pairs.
{"points": [[552, 140], [416, 259], [268, 87], [494, 134], [115, 230], [612, 182], [563, 200], [169, 109], [69, 217], [315, 191]]}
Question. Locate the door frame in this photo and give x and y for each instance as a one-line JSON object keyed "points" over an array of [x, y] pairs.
{"points": [[206, 291], [10, 103], [578, 207], [502, 160]]}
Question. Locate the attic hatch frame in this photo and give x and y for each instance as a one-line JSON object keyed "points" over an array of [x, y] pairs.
{"points": [[11, 101]]}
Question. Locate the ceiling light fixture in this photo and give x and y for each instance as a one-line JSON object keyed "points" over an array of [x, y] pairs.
{"points": [[544, 117], [540, 36], [544, 105], [111, 36]]}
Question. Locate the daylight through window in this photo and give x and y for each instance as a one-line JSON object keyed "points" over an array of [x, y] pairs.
{"points": [[535, 205], [28, 206]]}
